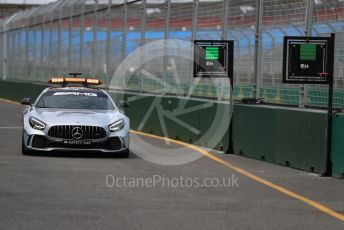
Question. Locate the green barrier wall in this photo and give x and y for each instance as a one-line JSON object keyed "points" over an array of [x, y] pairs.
{"points": [[18, 90], [201, 119], [338, 146], [291, 137], [254, 132], [301, 140]]}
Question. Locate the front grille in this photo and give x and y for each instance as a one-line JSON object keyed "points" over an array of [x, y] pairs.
{"points": [[87, 132]]}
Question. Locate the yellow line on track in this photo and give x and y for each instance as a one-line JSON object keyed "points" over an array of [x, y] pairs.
{"points": [[211, 156], [274, 186]]}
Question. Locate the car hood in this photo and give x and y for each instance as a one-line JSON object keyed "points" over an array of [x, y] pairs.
{"points": [[78, 117]]}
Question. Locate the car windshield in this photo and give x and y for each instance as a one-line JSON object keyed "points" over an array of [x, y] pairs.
{"points": [[75, 99]]}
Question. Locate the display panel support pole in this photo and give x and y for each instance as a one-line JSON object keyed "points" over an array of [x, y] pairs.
{"points": [[330, 108]]}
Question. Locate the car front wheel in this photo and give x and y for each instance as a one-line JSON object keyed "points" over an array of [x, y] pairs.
{"points": [[25, 151], [125, 153]]}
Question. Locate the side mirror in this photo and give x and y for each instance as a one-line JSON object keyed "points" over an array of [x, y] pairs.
{"points": [[26, 101], [124, 104]]}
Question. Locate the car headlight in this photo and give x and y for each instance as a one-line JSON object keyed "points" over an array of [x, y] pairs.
{"points": [[117, 126], [36, 124]]}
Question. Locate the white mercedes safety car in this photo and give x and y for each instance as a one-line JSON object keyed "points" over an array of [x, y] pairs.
{"points": [[75, 117]]}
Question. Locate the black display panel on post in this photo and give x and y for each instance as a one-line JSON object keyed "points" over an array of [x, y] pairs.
{"points": [[213, 58], [306, 60]]}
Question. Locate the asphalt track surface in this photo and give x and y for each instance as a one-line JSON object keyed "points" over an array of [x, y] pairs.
{"points": [[69, 191]]}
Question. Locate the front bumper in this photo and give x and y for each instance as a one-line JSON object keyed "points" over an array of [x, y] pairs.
{"points": [[47, 144]]}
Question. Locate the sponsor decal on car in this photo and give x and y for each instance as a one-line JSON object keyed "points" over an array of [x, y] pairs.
{"points": [[75, 94], [77, 142]]}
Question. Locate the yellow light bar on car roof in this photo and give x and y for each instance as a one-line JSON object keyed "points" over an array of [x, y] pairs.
{"points": [[56, 80], [64, 80], [93, 81], [75, 80]]}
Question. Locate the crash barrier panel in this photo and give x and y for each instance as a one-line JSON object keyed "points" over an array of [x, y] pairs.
{"points": [[301, 140], [254, 132], [338, 146], [18, 90], [168, 123], [276, 134], [291, 137]]}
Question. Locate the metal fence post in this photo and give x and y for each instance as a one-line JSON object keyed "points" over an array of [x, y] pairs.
{"points": [[11, 54], [70, 37], [59, 40], [193, 34], [50, 43], [33, 73], [166, 33], [4, 52], [5, 47], [303, 93], [22, 52], [224, 37], [194, 19], [108, 45], [94, 44], [143, 34], [19, 55], [27, 44], [225, 19], [50, 49], [41, 60], [258, 49], [82, 30], [124, 39]]}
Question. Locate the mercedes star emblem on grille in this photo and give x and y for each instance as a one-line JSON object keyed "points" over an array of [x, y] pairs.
{"points": [[77, 133]]}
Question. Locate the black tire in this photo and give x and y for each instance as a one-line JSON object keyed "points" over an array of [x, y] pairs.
{"points": [[125, 154], [25, 151]]}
